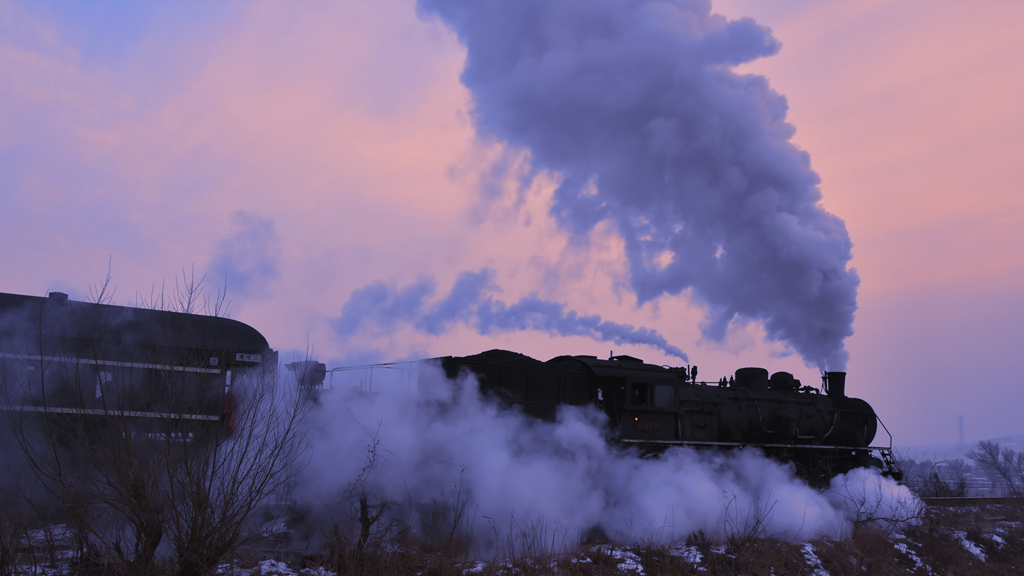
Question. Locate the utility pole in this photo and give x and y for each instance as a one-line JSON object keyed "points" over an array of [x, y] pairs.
{"points": [[960, 430]]}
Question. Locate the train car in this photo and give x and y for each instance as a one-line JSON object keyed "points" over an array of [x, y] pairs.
{"points": [[88, 368], [655, 407]]}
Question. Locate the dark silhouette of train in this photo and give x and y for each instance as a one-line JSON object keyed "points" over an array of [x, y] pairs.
{"points": [[655, 407], [171, 375]]}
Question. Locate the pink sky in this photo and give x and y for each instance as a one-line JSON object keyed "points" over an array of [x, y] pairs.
{"points": [[343, 129]]}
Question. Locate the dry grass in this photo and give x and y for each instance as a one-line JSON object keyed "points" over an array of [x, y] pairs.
{"points": [[941, 543], [979, 541]]}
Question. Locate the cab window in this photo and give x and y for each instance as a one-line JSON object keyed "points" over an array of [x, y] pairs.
{"points": [[641, 394], [664, 395]]}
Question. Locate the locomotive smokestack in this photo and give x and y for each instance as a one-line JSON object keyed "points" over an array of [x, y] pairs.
{"points": [[835, 384]]}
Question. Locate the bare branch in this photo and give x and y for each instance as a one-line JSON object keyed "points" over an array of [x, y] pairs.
{"points": [[103, 293], [1006, 464]]}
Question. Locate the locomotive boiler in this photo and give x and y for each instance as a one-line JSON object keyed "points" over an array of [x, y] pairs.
{"points": [[823, 433]]}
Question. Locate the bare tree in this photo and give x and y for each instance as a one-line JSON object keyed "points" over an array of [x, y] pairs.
{"points": [[946, 479], [214, 488], [83, 463], [1005, 464], [103, 293], [189, 296], [134, 451]]}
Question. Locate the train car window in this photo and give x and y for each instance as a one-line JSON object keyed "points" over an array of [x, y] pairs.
{"points": [[103, 377], [641, 394], [664, 395]]}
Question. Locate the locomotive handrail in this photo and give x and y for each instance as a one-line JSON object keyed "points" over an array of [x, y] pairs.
{"points": [[835, 418], [370, 368], [884, 428]]}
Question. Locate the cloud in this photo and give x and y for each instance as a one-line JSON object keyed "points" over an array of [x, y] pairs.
{"points": [[383, 305], [635, 106]]}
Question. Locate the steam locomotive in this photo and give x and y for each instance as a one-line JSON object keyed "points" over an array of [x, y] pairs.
{"points": [[655, 407]]}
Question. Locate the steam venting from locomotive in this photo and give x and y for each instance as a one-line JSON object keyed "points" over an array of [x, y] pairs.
{"points": [[635, 106]]}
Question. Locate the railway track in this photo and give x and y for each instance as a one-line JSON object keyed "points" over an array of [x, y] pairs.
{"points": [[961, 501]]}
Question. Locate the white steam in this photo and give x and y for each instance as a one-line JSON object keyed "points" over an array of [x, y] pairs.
{"points": [[440, 442], [869, 499]]}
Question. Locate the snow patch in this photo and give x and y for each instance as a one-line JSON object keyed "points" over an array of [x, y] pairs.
{"points": [[969, 546], [904, 549], [271, 568], [689, 554], [813, 561], [629, 562]]}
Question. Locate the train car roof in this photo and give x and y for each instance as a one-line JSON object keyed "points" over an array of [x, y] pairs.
{"points": [[57, 316], [620, 366]]}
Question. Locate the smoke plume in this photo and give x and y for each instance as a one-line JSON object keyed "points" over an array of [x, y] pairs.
{"points": [[385, 307], [423, 444], [249, 257], [635, 105]]}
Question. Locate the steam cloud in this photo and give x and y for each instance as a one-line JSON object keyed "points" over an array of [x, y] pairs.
{"points": [[429, 447], [634, 104], [248, 258], [469, 303]]}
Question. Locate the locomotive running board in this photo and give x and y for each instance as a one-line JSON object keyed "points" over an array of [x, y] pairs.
{"points": [[748, 444]]}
